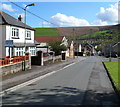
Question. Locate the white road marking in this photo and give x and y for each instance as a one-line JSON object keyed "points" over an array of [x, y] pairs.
{"points": [[31, 81]]}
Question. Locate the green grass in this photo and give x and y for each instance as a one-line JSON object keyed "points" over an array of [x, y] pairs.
{"points": [[104, 31], [46, 32], [113, 70]]}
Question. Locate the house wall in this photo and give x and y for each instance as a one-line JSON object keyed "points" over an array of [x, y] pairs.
{"points": [[21, 39], [44, 50], [2, 40], [21, 35], [41, 47], [64, 41]]}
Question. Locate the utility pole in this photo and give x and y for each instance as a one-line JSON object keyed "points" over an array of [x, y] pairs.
{"points": [[110, 53]]}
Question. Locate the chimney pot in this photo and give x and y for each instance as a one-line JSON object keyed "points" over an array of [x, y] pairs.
{"points": [[20, 18]]}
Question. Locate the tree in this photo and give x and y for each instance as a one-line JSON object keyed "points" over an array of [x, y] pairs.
{"points": [[57, 47]]}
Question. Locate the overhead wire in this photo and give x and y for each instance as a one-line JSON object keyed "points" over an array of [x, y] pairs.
{"points": [[34, 14]]}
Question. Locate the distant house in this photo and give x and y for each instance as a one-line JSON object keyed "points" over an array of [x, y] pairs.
{"points": [[46, 39], [13, 33]]}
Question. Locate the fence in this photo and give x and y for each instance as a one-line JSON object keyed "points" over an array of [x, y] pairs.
{"points": [[15, 64], [15, 59]]}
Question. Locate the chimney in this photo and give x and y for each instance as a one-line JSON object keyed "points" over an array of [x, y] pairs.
{"points": [[20, 18]]}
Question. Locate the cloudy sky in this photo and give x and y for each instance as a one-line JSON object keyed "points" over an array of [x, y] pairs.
{"points": [[65, 14]]}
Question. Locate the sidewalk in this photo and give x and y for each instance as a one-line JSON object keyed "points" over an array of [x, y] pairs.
{"points": [[36, 71]]}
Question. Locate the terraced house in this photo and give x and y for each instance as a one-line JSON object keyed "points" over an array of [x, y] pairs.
{"points": [[15, 36]]}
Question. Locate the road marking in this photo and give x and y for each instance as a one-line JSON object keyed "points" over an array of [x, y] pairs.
{"points": [[31, 81]]}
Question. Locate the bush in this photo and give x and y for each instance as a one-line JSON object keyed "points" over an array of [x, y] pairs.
{"points": [[57, 47]]}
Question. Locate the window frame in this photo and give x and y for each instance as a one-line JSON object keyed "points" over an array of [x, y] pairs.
{"points": [[32, 50], [28, 35], [19, 51], [15, 33]]}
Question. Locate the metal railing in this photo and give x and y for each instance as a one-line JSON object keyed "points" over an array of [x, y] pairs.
{"points": [[15, 59]]}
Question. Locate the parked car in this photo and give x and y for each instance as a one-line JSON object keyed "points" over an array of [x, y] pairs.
{"points": [[112, 55], [46, 54]]}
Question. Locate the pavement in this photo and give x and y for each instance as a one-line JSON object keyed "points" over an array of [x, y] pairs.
{"points": [[36, 71], [101, 87]]}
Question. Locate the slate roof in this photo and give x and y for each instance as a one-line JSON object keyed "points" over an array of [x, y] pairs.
{"points": [[47, 39], [6, 19]]}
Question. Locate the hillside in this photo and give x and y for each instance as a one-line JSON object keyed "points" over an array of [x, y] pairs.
{"points": [[46, 32], [72, 31]]}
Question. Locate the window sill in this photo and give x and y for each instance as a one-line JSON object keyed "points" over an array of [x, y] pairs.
{"points": [[15, 38], [27, 38]]}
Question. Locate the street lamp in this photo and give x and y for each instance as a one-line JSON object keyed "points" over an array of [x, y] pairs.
{"points": [[25, 33], [110, 53]]}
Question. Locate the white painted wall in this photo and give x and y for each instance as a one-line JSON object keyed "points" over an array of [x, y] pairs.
{"points": [[39, 47], [64, 42], [44, 50], [21, 35], [80, 48]]}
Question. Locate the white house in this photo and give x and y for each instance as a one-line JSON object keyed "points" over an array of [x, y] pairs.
{"points": [[44, 40], [13, 38]]}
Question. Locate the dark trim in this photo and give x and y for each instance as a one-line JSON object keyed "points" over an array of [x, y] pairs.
{"points": [[19, 26], [15, 37], [111, 80], [67, 105]]}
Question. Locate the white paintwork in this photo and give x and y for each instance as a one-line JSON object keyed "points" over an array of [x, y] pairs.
{"points": [[64, 41], [21, 35], [67, 53], [21, 38], [80, 47], [43, 44]]}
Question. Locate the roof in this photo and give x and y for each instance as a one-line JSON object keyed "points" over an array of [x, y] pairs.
{"points": [[36, 43], [47, 39], [6, 19]]}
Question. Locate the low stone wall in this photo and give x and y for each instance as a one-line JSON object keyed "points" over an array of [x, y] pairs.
{"points": [[52, 58], [13, 68]]}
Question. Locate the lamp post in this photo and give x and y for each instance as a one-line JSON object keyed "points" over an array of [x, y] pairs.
{"points": [[110, 53], [25, 34]]}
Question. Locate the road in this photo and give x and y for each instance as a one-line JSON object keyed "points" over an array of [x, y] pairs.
{"points": [[82, 83]]}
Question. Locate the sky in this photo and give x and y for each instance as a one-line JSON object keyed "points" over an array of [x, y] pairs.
{"points": [[65, 14]]}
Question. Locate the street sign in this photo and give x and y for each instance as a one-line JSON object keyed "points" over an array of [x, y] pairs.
{"points": [[9, 43]]}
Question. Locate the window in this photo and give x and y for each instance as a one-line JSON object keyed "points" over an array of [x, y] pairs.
{"points": [[19, 52], [28, 35], [32, 51], [15, 33]]}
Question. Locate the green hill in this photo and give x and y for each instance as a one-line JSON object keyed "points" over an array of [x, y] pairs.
{"points": [[103, 35], [76, 31], [46, 32]]}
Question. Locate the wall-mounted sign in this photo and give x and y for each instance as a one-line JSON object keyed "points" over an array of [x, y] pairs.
{"points": [[9, 43]]}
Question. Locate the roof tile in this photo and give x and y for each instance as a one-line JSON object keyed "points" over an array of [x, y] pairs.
{"points": [[48, 38]]}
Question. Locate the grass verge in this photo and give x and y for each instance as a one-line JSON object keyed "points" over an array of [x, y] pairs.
{"points": [[112, 68]]}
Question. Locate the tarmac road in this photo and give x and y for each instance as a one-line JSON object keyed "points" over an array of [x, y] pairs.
{"points": [[82, 83]]}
